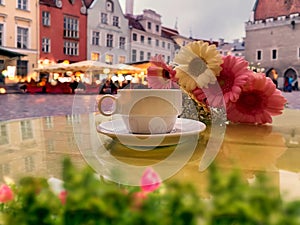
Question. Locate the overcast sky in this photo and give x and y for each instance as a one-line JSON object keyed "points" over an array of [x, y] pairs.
{"points": [[204, 19]]}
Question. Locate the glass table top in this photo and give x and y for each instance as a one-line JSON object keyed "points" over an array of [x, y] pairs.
{"points": [[36, 146]]}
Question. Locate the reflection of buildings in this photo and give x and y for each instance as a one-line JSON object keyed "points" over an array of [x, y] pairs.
{"points": [[37, 146], [20, 147], [272, 38]]}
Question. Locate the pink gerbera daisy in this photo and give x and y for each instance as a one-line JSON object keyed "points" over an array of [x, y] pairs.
{"points": [[160, 75], [258, 101], [233, 76]]}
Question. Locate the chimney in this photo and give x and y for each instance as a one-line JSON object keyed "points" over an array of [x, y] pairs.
{"points": [[129, 7]]}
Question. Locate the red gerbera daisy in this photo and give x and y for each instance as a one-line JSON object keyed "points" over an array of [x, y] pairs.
{"points": [[258, 101]]}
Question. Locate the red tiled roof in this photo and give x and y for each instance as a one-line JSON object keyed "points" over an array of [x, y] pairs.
{"points": [[264, 9], [168, 32]]}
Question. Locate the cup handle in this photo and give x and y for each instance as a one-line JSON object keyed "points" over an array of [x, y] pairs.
{"points": [[106, 113]]}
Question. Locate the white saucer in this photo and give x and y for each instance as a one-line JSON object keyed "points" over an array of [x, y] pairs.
{"points": [[184, 129]]}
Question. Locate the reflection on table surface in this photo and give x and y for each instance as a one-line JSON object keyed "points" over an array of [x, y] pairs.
{"points": [[36, 146]]}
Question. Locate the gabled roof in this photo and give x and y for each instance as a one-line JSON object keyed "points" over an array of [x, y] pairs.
{"points": [[264, 9], [88, 3], [134, 23], [9, 53]]}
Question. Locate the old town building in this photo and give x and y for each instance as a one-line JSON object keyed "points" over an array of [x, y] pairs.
{"points": [[19, 35], [272, 39], [108, 32], [63, 25], [146, 36]]}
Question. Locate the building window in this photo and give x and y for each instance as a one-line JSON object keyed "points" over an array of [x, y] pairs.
{"points": [[71, 27], [1, 34], [29, 164], [95, 56], [116, 21], [109, 40], [71, 48], [26, 129], [149, 25], [149, 40], [46, 45], [148, 55], [133, 56], [274, 54], [4, 169], [96, 38], [142, 39], [22, 67], [109, 6], [49, 122], [168, 59], [122, 43], [169, 45], [104, 18], [22, 37], [134, 37], [163, 44], [46, 18], [259, 55], [122, 59], [3, 134], [22, 4], [1, 63], [141, 55], [109, 59], [157, 43], [73, 119], [157, 28]]}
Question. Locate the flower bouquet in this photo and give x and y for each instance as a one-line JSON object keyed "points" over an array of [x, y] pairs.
{"points": [[220, 85]]}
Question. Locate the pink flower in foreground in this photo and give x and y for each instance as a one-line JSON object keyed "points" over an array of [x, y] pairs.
{"points": [[150, 180], [63, 197], [233, 76], [258, 101], [6, 194], [160, 75]]}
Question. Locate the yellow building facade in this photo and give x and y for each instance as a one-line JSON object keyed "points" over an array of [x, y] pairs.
{"points": [[19, 32]]}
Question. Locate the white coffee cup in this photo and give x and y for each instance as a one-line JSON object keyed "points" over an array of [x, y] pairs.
{"points": [[146, 111]]}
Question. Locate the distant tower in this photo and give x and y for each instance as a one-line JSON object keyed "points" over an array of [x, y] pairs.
{"points": [[191, 33], [129, 7], [176, 24]]}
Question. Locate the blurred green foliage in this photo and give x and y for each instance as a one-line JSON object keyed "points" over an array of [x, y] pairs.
{"points": [[93, 201]]}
